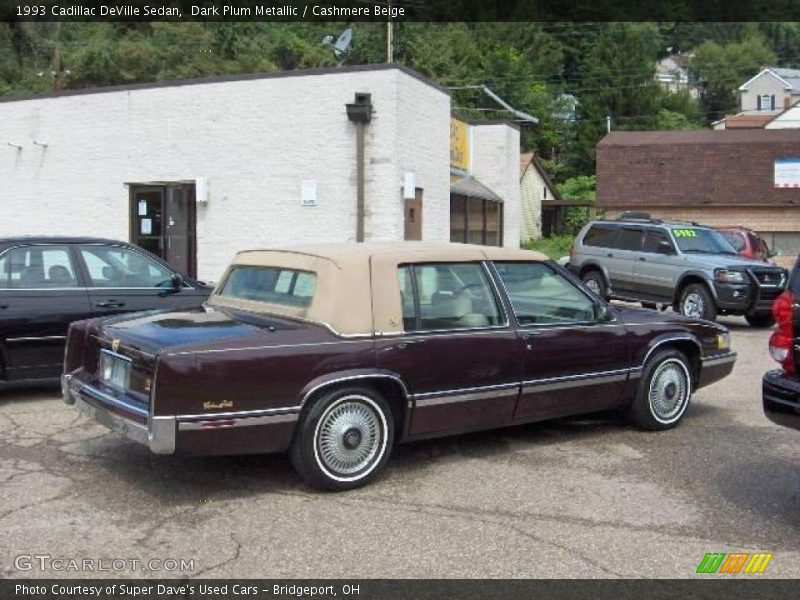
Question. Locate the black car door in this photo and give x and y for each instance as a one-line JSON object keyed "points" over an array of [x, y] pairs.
{"points": [[41, 293], [124, 279]]}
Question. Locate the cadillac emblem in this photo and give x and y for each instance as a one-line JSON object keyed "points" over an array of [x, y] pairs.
{"points": [[115, 345]]}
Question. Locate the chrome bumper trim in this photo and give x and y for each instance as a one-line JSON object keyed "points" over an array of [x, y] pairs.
{"points": [[159, 436], [713, 361], [208, 424]]}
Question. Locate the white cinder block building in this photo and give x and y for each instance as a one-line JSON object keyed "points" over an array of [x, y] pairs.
{"points": [[197, 170]]}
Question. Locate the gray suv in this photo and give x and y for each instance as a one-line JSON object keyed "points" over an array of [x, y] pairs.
{"points": [[687, 266]]}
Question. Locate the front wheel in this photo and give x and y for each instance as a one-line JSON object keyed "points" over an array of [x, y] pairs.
{"points": [[595, 281], [664, 391], [344, 440], [760, 319], [696, 302]]}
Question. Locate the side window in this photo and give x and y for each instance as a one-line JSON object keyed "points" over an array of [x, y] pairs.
{"points": [[449, 296], [601, 236], [630, 238], [653, 238], [31, 267], [542, 296], [113, 266]]}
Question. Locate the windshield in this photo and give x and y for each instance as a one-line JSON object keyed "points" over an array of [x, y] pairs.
{"points": [[697, 239]]}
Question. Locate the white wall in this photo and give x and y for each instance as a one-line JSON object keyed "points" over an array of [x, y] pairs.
{"points": [[532, 192], [787, 120], [254, 139], [495, 163]]}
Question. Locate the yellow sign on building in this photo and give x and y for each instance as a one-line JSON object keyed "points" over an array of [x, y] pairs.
{"points": [[459, 145]]}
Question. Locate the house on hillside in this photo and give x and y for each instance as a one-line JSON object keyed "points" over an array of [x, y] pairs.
{"points": [[672, 73], [774, 90], [734, 177], [536, 189]]}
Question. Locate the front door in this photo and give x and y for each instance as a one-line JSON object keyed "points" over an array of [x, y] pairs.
{"points": [[460, 358], [575, 360], [413, 217], [163, 222]]}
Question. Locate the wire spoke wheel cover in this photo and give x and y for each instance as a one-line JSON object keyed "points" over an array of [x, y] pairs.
{"points": [[669, 390], [350, 438]]}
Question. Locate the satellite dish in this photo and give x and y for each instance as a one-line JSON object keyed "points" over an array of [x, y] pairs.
{"points": [[342, 46]]}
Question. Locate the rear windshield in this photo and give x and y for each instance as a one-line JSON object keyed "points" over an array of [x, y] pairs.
{"points": [[697, 239], [270, 284]]}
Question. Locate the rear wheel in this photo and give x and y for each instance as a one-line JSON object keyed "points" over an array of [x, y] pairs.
{"points": [[664, 391], [760, 319], [595, 281], [696, 302], [344, 440]]}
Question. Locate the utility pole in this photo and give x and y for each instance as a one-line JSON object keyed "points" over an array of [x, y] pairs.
{"points": [[56, 68], [390, 38]]}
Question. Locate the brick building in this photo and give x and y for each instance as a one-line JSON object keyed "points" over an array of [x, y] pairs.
{"points": [[747, 177], [196, 170]]}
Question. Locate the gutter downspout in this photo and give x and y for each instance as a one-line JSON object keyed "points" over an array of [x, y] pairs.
{"points": [[360, 113]]}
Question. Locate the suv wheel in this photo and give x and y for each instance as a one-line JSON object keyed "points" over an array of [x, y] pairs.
{"points": [[696, 302], [760, 319], [595, 281]]}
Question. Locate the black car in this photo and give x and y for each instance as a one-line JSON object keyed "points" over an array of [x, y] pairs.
{"points": [[781, 387], [48, 282]]}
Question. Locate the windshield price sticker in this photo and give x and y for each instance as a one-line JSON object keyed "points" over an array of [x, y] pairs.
{"points": [[684, 233]]}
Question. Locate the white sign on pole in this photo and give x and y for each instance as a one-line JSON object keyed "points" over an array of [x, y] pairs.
{"points": [[308, 192], [787, 172], [409, 185]]}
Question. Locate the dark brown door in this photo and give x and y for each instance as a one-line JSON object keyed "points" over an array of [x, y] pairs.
{"points": [[163, 222], [413, 217]]}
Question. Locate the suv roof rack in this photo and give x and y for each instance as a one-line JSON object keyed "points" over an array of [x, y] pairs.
{"points": [[635, 215]]}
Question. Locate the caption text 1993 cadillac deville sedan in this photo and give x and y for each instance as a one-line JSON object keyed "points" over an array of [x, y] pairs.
{"points": [[336, 352]]}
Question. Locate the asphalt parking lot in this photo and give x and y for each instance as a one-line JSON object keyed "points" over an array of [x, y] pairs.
{"points": [[588, 497]]}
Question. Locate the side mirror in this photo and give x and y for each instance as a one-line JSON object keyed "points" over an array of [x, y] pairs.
{"points": [[176, 282], [774, 252], [665, 248]]}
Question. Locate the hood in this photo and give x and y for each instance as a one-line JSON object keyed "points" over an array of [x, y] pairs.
{"points": [[155, 330], [724, 261]]}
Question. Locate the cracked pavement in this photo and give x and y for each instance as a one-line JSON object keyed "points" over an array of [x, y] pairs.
{"points": [[581, 497]]}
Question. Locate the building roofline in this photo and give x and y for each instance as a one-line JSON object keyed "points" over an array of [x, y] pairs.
{"points": [[746, 84], [229, 78], [783, 112]]}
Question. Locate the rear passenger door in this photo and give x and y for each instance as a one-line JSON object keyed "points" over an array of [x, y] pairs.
{"points": [[41, 293], [620, 259], [458, 352]]}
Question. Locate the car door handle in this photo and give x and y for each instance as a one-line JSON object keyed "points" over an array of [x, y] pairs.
{"points": [[110, 304], [529, 335], [610, 255], [643, 259], [3, 306], [406, 343]]}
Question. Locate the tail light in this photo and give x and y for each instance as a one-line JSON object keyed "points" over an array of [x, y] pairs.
{"points": [[782, 340]]}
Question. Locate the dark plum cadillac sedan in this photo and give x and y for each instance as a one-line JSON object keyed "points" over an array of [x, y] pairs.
{"points": [[336, 352]]}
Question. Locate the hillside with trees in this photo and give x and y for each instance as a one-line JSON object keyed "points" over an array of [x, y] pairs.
{"points": [[540, 68]]}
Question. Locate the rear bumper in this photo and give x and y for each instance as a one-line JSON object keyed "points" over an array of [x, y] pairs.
{"points": [[157, 433], [246, 432], [781, 397]]}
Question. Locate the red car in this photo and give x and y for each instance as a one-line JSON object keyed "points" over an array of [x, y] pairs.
{"points": [[747, 243]]}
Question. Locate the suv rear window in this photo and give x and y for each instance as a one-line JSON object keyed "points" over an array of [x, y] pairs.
{"points": [[601, 236]]}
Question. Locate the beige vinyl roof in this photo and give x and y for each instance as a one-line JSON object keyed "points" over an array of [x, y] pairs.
{"points": [[357, 289]]}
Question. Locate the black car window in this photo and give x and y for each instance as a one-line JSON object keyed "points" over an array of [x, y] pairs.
{"points": [[449, 296], [541, 295], [601, 236], [653, 238], [115, 266], [630, 238], [33, 267]]}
